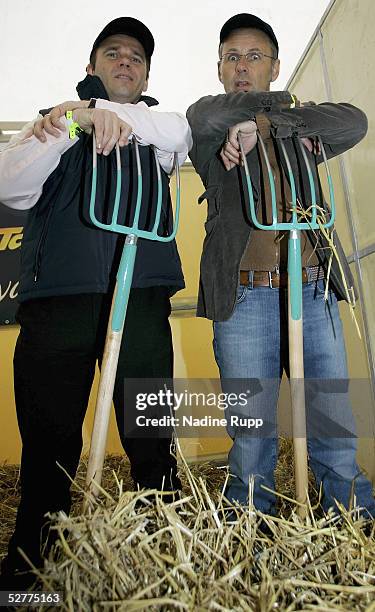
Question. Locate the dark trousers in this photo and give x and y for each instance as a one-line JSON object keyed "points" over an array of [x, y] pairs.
{"points": [[61, 339]]}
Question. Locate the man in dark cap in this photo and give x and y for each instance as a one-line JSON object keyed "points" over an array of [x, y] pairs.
{"points": [[68, 272], [243, 282]]}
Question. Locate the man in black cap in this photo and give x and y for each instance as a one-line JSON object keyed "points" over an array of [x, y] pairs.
{"points": [[243, 282], [68, 272]]}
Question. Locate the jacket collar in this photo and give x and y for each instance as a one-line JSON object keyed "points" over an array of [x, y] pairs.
{"points": [[92, 87]]}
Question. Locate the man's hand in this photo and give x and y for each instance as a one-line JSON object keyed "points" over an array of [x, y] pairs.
{"points": [[230, 153], [51, 123], [109, 128]]}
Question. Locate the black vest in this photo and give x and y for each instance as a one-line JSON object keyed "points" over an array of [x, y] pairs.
{"points": [[63, 253]]}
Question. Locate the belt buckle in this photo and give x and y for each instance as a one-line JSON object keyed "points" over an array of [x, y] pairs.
{"points": [[270, 279]]}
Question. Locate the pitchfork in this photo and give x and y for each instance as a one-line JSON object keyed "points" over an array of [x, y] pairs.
{"points": [[120, 298], [295, 320]]}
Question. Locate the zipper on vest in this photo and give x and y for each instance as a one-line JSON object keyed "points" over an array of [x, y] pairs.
{"points": [[39, 249]]}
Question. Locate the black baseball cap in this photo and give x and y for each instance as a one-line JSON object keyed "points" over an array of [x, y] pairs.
{"points": [[130, 27], [245, 20]]}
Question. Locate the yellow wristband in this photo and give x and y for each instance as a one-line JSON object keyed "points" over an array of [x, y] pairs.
{"points": [[294, 100], [73, 126]]}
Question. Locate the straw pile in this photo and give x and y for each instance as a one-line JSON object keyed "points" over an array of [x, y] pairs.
{"points": [[128, 553], [9, 498]]}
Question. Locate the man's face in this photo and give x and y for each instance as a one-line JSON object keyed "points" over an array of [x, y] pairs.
{"points": [[245, 75], [121, 65]]}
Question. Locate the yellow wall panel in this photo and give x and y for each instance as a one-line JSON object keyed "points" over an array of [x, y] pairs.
{"points": [[309, 84], [191, 233], [10, 442], [346, 37], [368, 281], [349, 45], [355, 347]]}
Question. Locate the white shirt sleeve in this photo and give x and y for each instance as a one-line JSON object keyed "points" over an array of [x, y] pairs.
{"points": [[26, 163], [169, 132]]}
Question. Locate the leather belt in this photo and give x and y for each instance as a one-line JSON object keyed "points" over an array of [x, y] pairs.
{"points": [[278, 280]]}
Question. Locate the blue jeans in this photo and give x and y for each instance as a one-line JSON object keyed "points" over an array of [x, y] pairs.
{"points": [[253, 345]]}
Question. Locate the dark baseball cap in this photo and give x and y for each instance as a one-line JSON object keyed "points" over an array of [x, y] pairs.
{"points": [[245, 20], [130, 27]]}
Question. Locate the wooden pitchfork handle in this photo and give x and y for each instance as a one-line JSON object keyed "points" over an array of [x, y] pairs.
{"points": [[109, 366]]}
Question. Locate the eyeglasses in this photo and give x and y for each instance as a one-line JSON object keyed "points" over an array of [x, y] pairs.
{"points": [[252, 57]]}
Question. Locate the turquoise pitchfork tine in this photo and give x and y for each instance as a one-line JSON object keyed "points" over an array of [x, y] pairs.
{"points": [[295, 320], [120, 297]]}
